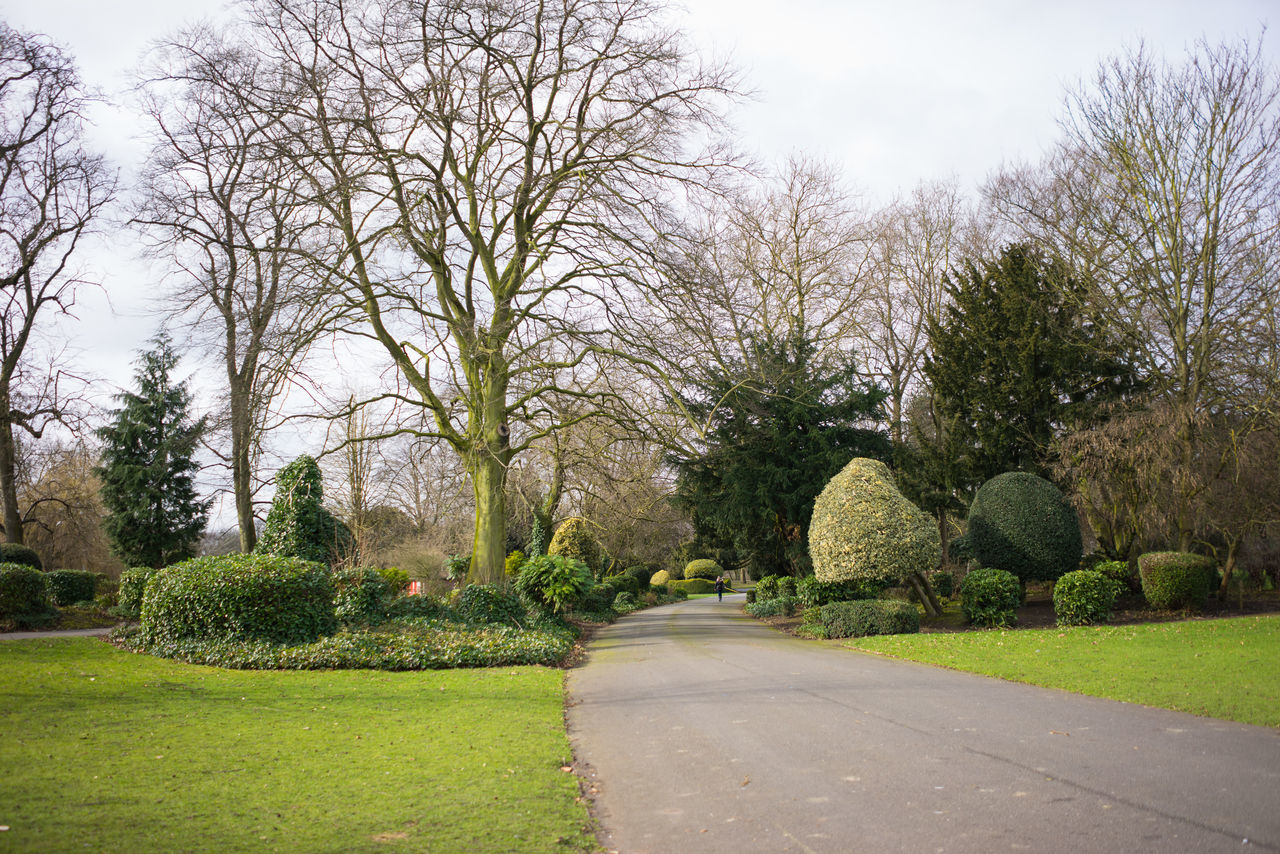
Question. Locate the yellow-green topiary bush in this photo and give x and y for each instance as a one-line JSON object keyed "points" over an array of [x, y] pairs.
{"points": [[865, 530], [708, 569], [574, 539], [660, 577]]}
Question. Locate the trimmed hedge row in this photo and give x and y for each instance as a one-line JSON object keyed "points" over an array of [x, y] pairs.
{"points": [[69, 586], [694, 585], [869, 617], [1176, 580], [24, 597]]}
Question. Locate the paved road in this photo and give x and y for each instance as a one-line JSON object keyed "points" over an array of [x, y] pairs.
{"points": [[707, 732]]}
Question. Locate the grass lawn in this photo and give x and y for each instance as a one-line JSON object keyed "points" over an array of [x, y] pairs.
{"points": [[108, 751], [1218, 668]]}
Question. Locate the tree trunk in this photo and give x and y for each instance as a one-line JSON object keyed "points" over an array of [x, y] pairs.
{"points": [[241, 471], [9, 475], [924, 591], [489, 549]]}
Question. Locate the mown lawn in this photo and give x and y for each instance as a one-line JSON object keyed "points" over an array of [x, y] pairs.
{"points": [[103, 750], [1219, 668]]}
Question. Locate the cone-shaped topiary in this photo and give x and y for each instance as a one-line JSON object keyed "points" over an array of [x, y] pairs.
{"points": [[574, 539], [298, 525], [865, 530], [1023, 524]]}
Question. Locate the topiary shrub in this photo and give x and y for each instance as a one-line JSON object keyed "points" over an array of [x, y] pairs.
{"points": [[708, 569], [640, 573], [361, 596], [694, 585], [240, 597], [868, 617], [20, 554], [297, 524], [864, 530], [1084, 597], [574, 539], [625, 583], [660, 578], [1023, 524], [990, 597], [133, 583], [483, 604], [69, 586], [1176, 580], [24, 597], [1119, 572], [554, 582]]}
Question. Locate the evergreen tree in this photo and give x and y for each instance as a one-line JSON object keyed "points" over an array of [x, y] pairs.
{"points": [[1015, 361], [154, 515], [780, 428]]}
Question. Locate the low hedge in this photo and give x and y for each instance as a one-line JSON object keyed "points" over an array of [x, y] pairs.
{"points": [[868, 617], [397, 578], [20, 554], [133, 583], [778, 606], [1176, 580], [361, 596], [990, 597], [707, 569], [694, 585], [24, 597], [240, 597], [69, 586], [1084, 597], [484, 604]]}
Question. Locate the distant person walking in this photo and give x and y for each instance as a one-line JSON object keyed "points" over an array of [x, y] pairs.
{"points": [[719, 588]]}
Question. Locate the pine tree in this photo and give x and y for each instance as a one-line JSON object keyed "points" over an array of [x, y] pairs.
{"points": [[154, 514], [780, 429]]}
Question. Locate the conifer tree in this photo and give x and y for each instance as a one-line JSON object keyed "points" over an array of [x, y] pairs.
{"points": [[154, 515]]}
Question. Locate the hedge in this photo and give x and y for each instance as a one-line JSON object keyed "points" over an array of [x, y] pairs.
{"points": [[69, 586], [694, 585], [24, 597], [990, 597], [869, 617], [133, 583], [1176, 580], [18, 553]]}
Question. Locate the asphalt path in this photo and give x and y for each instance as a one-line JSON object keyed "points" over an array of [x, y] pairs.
{"points": [[701, 730]]}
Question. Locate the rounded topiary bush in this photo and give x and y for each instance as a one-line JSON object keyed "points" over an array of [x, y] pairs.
{"points": [[1023, 524], [768, 587], [1176, 580], [624, 584], [20, 554], [703, 569], [1084, 597], [990, 597], [865, 530], [24, 597], [361, 596], [659, 578], [133, 583], [575, 539], [240, 597], [485, 604], [69, 586]]}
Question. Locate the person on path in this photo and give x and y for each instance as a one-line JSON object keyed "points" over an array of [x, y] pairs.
{"points": [[719, 588]]}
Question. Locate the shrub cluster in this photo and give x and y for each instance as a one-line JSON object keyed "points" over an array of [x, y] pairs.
{"points": [[708, 569], [240, 597], [555, 582], [990, 597], [20, 554], [69, 586], [484, 604], [1084, 597], [1118, 571], [694, 585], [574, 539], [625, 584], [361, 596], [133, 583], [24, 597], [1176, 580], [1023, 524], [421, 607], [778, 606], [868, 617], [768, 587], [812, 593]]}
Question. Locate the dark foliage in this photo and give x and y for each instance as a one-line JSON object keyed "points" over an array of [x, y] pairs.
{"points": [[18, 553], [24, 597], [69, 586], [990, 597], [869, 617], [1023, 524]]}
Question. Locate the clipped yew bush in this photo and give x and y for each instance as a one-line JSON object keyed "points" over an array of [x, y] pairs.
{"points": [[990, 597], [1023, 524], [18, 553], [865, 617], [574, 539], [24, 597], [1084, 597], [1176, 580], [240, 597], [703, 569], [864, 530], [69, 586]]}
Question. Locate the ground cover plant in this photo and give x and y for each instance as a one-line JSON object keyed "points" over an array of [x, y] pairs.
{"points": [[1221, 668], [248, 760]]}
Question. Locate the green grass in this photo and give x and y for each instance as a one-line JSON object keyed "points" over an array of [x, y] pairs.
{"points": [[109, 751], [1218, 668]]}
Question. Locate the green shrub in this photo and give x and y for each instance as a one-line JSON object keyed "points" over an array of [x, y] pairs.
{"points": [[69, 586], [422, 606], [751, 596], [960, 550], [1083, 597], [694, 585], [1119, 572], [869, 617], [786, 585], [674, 594], [240, 597], [625, 583], [864, 530], [812, 593], [641, 574], [596, 604], [778, 606], [1176, 580], [133, 583], [1023, 524], [768, 587], [24, 597], [298, 526], [397, 579], [708, 569], [514, 562], [990, 597], [484, 604], [361, 596], [943, 583], [625, 603], [20, 554], [659, 578], [554, 582], [574, 539]]}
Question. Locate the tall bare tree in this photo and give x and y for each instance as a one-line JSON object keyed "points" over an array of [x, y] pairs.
{"points": [[225, 212], [51, 191]]}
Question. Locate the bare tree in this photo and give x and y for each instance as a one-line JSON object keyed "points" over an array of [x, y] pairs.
{"points": [[1165, 191], [51, 191], [226, 213]]}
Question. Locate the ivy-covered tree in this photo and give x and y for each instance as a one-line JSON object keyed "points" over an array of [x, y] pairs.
{"points": [[1014, 361], [155, 516], [298, 525], [779, 429]]}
